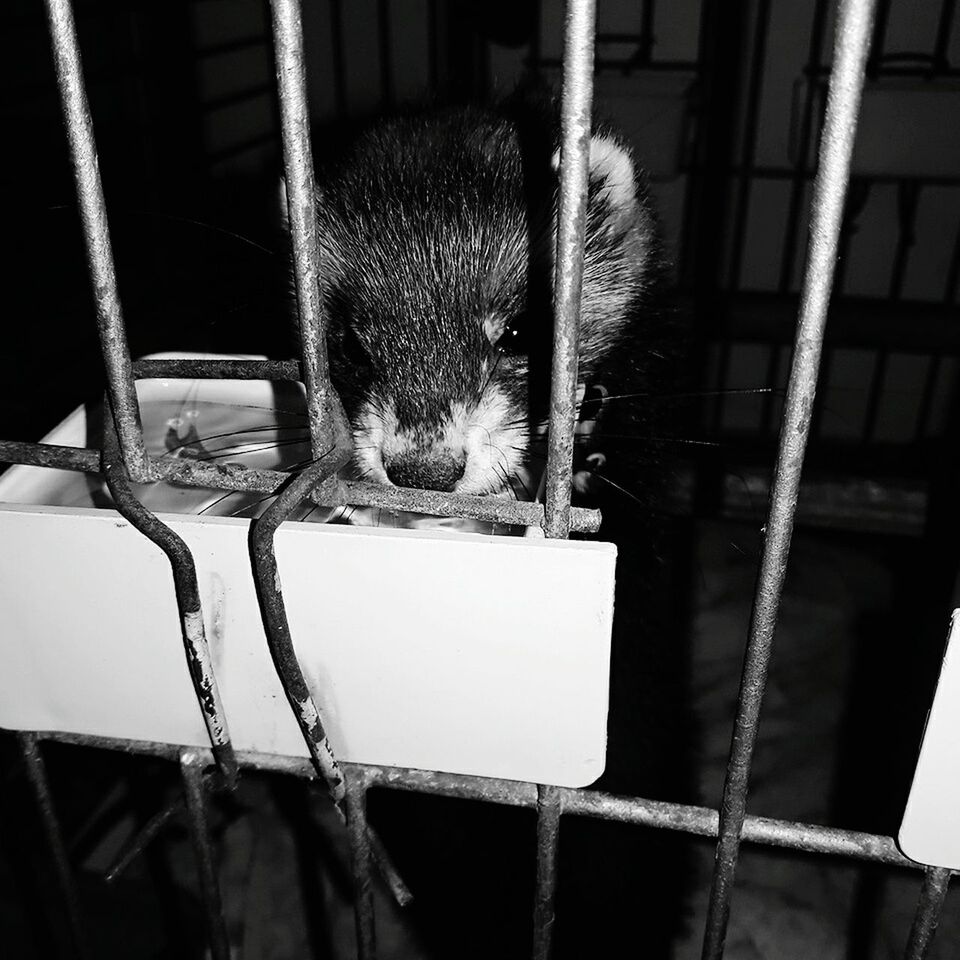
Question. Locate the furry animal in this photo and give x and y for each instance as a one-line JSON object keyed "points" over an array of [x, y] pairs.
{"points": [[437, 235]]}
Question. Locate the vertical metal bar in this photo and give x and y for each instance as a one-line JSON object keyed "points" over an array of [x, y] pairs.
{"points": [[549, 808], [908, 201], [926, 399], [37, 775], [96, 235], [568, 280], [359, 837], [817, 29], [879, 35], [846, 86], [908, 196], [187, 592], [386, 61], [953, 274], [754, 91], [933, 892], [277, 627], [648, 15], [336, 58], [944, 28], [191, 770], [327, 421]]}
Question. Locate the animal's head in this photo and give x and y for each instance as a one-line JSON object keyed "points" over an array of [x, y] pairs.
{"points": [[437, 237]]}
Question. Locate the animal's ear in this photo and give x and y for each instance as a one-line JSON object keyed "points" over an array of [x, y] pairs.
{"points": [[612, 176]]}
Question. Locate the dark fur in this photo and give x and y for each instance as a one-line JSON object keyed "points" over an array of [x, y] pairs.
{"points": [[436, 233]]}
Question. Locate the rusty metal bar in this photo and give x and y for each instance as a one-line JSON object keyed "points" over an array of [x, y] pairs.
{"points": [[684, 818], [37, 775], [81, 459], [568, 280], [359, 836], [143, 838], [187, 593], [549, 809], [843, 104], [328, 426], [217, 369], [276, 625], [188, 601], [191, 770], [933, 892], [96, 235], [232, 476]]}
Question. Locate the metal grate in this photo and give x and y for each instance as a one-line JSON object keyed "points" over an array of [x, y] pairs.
{"points": [[124, 458]]}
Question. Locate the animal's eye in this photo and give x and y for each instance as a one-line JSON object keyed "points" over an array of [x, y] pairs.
{"points": [[352, 346], [513, 339]]}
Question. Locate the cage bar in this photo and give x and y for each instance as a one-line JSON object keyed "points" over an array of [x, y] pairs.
{"points": [[683, 818], [799, 176], [277, 628], [944, 27], [358, 834], [384, 53], [933, 892], [758, 60], [96, 236], [187, 592], [191, 771], [236, 477], [328, 426], [37, 775], [568, 281], [843, 105], [549, 809]]}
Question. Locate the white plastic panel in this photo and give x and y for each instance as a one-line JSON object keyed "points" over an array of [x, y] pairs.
{"points": [[930, 831], [428, 648]]}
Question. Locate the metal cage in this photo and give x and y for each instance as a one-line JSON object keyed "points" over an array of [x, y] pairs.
{"points": [[123, 458]]}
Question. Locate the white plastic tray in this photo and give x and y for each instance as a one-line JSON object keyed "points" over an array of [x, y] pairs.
{"points": [[436, 649]]}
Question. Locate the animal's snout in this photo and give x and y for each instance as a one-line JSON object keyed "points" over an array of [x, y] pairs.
{"points": [[426, 471]]}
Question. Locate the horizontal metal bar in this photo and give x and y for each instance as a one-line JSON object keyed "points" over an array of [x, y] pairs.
{"points": [[683, 818], [237, 96], [623, 64], [82, 459], [217, 370], [242, 146], [232, 476]]}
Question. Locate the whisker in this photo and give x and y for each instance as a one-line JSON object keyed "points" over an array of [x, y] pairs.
{"points": [[230, 433], [732, 392], [680, 440], [247, 448], [617, 486]]}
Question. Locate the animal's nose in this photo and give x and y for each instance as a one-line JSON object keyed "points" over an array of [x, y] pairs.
{"points": [[428, 472]]}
